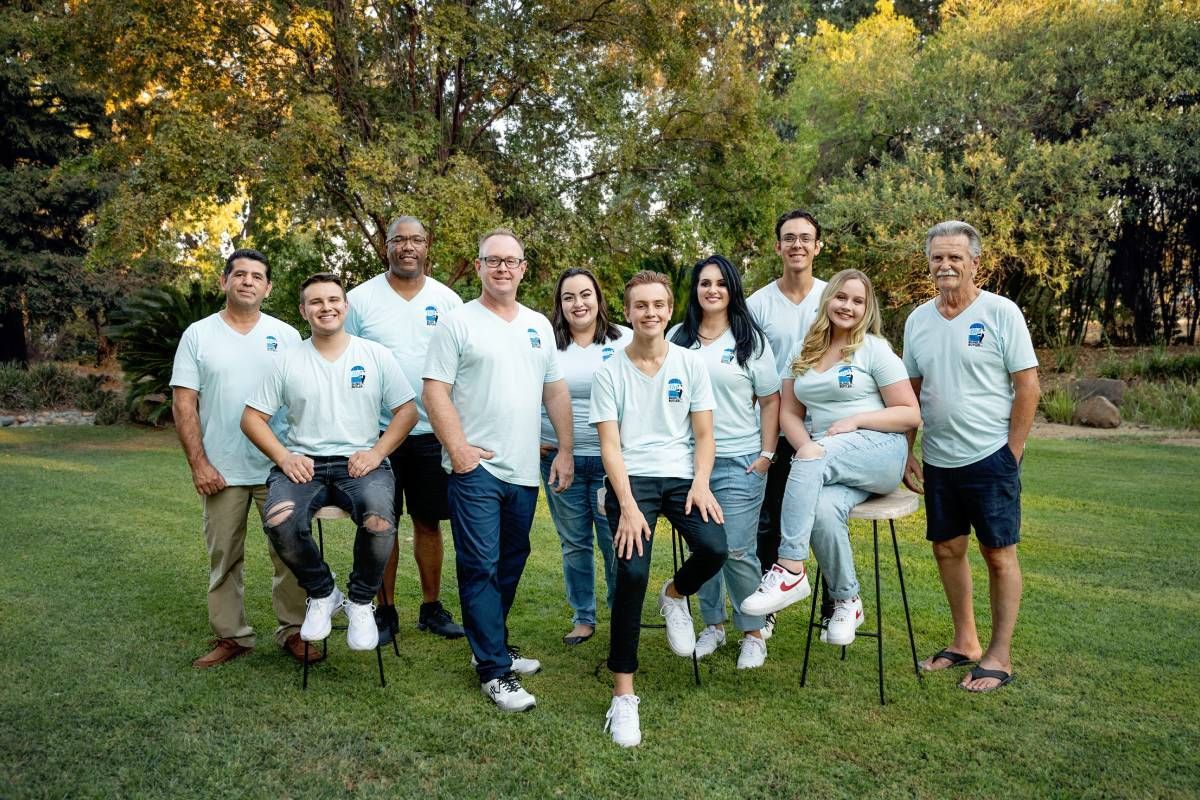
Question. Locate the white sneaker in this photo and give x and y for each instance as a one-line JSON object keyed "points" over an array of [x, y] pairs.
{"points": [[754, 653], [522, 665], [710, 639], [318, 619], [507, 693], [362, 633], [778, 590], [825, 630], [681, 635], [768, 628], [847, 617], [622, 720]]}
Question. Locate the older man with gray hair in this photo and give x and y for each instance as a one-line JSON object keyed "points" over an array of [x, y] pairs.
{"points": [[970, 359]]}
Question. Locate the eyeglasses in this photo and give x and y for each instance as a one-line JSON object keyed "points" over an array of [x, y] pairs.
{"points": [[400, 241], [804, 239], [496, 262]]}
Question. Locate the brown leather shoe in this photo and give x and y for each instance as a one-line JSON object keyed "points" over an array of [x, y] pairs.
{"points": [[223, 650], [295, 648]]}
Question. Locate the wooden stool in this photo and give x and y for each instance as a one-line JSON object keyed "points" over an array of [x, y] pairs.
{"points": [[332, 513], [891, 507]]}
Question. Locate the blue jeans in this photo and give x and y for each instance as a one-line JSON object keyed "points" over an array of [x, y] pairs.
{"points": [[705, 540], [490, 520], [331, 485], [576, 514], [821, 492], [740, 494]]}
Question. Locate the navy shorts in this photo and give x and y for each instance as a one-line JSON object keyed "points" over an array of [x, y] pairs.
{"points": [[985, 496], [417, 465]]}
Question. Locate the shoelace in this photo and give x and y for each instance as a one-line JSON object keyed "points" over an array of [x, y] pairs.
{"points": [[621, 712], [842, 613], [509, 682]]}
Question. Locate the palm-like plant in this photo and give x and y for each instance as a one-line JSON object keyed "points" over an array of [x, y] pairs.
{"points": [[147, 329]]}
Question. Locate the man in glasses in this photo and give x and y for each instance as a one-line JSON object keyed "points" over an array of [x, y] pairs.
{"points": [[784, 309], [489, 370], [400, 309]]}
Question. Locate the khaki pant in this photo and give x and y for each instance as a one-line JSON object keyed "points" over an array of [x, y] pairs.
{"points": [[225, 532]]}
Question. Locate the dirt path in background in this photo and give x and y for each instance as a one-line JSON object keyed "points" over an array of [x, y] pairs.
{"points": [[1052, 430]]}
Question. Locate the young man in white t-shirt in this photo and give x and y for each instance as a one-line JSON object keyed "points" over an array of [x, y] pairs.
{"points": [[652, 405], [217, 365], [400, 309], [333, 385], [489, 370]]}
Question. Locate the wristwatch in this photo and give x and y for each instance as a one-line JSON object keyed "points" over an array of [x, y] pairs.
{"points": [[769, 455]]}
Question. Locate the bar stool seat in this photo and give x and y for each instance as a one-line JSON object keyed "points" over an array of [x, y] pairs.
{"points": [[890, 507], [330, 513]]}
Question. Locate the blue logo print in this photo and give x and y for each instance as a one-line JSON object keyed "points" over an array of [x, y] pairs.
{"points": [[607, 353], [727, 356], [535, 341], [272, 344], [431, 315], [845, 375], [358, 376], [975, 335], [674, 390]]}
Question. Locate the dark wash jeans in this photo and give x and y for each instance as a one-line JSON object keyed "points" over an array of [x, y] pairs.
{"points": [[705, 540], [490, 520], [332, 485]]}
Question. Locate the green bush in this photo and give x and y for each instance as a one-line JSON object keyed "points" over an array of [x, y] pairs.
{"points": [[1058, 405], [49, 385], [1155, 365], [147, 329], [1171, 404], [1065, 357]]}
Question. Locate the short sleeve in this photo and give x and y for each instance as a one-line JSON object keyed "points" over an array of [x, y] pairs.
{"points": [[909, 360], [268, 397], [553, 368], [441, 362], [1018, 345], [702, 391], [396, 389], [886, 367], [762, 371], [604, 397], [185, 373]]}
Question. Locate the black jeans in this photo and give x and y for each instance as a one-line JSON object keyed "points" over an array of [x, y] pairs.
{"points": [[705, 540]]}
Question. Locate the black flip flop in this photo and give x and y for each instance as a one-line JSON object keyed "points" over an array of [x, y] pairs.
{"points": [[574, 640], [955, 659], [1005, 678]]}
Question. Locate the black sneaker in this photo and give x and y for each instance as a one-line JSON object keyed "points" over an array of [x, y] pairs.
{"points": [[388, 622], [436, 619]]}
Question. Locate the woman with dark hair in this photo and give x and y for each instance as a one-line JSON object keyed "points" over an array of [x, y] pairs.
{"points": [[585, 339], [846, 377], [717, 324]]}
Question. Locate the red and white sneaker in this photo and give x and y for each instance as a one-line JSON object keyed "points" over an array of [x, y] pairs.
{"points": [[847, 617], [778, 590]]}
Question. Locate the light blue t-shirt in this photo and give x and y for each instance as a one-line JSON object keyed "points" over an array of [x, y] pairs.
{"points": [[653, 413], [965, 365], [849, 388], [785, 323], [498, 370], [735, 388], [225, 367], [578, 365], [333, 406], [378, 313]]}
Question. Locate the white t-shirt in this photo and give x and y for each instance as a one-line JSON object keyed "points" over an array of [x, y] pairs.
{"points": [[965, 365], [333, 406], [225, 367], [578, 365], [785, 323], [735, 387], [379, 313], [853, 388], [497, 369], [654, 414]]}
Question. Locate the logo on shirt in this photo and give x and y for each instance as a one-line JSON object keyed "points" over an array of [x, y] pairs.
{"points": [[975, 335], [606, 353], [535, 341], [358, 376], [431, 315], [674, 390], [727, 356], [272, 344], [845, 375]]}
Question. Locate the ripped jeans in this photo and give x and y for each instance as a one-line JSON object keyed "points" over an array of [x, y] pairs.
{"points": [[821, 492], [287, 520], [740, 495]]}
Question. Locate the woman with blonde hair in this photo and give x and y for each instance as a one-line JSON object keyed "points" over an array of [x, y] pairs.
{"points": [[856, 390]]}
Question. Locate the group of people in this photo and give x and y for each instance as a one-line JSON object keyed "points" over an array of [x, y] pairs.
{"points": [[754, 426]]}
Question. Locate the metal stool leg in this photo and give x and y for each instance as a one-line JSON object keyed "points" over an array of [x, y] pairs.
{"points": [[912, 644], [812, 615], [676, 557], [878, 609]]}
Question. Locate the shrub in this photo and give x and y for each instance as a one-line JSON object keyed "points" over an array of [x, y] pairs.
{"points": [[1155, 365], [1058, 405], [49, 385], [1171, 404], [1065, 357], [147, 329]]}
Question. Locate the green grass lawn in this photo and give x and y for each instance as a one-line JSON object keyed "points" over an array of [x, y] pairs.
{"points": [[103, 575]]}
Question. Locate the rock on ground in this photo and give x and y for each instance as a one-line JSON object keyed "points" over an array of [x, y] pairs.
{"points": [[1097, 412]]}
